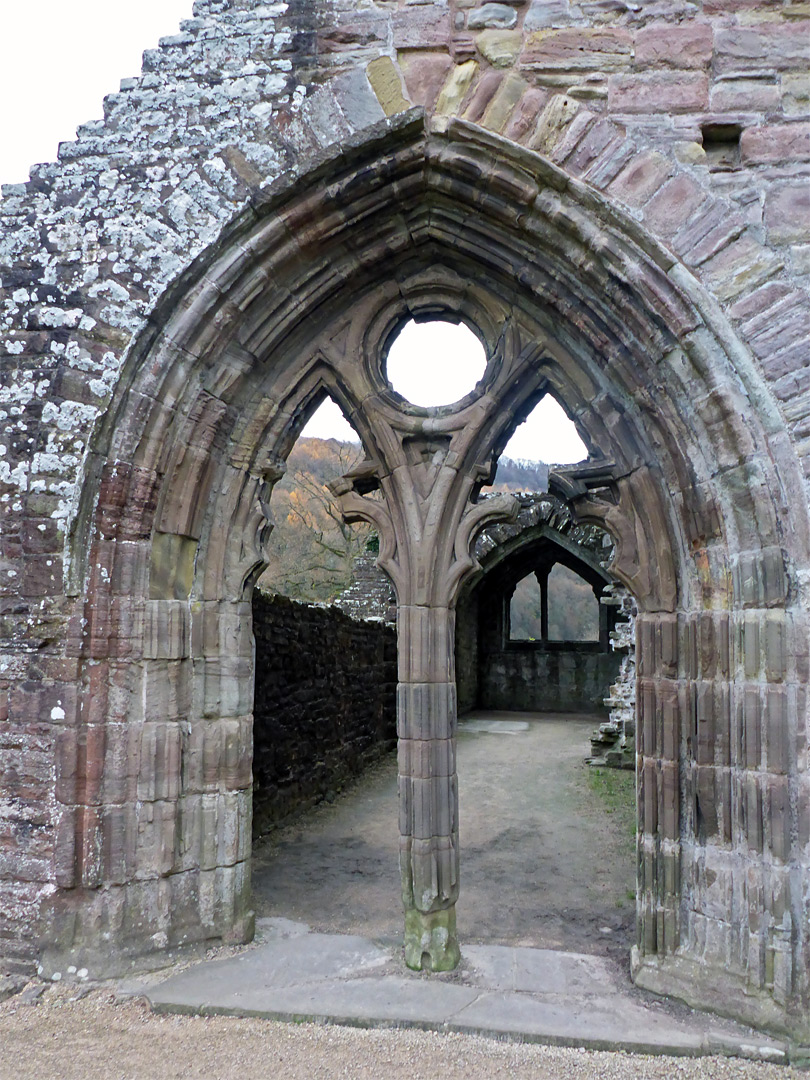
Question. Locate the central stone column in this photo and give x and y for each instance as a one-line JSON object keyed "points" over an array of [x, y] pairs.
{"points": [[427, 520], [428, 787]]}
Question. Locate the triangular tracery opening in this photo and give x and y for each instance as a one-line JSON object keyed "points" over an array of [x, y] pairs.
{"points": [[312, 551], [328, 422], [548, 435]]}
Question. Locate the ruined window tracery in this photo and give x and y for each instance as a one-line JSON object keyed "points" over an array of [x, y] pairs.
{"points": [[435, 363], [554, 605]]}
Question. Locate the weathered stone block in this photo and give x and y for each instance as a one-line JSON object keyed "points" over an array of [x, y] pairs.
{"points": [[669, 804], [796, 93], [427, 807], [787, 213], [780, 818], [493, 16], [558, 114], [778, 45], [172, 570], [425, 26], [668, 45], [167, 630], [752, 812], [160, 761], [775, 143], [426, 710], [426, 643], [544, 13], [167, 689], [655, 92], [429, 869], [672, 206], [642, 178], [577, 49], [745, 95], [500, 48], [485, 89], [597, 141], [780, 751], [706, 817], [503, 103], [649, 795], [386, 82], [455, 88], [749, 725], [741, 265], [426, 758], [776, 630], [222, 687], [760, 578], [425, 73]]}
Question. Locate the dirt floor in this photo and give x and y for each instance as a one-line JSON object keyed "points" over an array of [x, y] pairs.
{"points": [[547, 845]]}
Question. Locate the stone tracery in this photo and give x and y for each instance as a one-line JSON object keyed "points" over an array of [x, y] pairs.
{"points": [[694, 476]]}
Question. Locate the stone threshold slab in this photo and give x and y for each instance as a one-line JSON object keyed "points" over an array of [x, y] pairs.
{"points": [[531, 995]]}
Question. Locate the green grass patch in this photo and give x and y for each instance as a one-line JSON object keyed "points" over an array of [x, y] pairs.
{"points": [[615, 790]]}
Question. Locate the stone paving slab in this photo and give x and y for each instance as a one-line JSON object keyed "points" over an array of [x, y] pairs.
{"points": [[537, 995]]}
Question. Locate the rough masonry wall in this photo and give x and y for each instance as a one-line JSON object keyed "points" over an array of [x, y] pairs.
{"points": [[325, 703], [493, 674], [693, 120], [568, 679]]}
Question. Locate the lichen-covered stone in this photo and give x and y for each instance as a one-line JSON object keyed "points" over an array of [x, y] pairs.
{"points": [[237, 236]]}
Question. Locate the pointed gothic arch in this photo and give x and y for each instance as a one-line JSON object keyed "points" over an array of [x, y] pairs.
{"points": [[693, 479]]}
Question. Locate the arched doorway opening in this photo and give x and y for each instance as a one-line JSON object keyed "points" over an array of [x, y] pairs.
{"points": [[568, 296], [532, 634], [548, 842]]}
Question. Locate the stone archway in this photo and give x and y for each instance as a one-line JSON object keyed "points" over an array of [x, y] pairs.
{"points": [[497, 669], [299, 297]]}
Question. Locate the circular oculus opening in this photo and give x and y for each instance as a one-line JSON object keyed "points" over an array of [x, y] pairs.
{"points": [[435, 363]]}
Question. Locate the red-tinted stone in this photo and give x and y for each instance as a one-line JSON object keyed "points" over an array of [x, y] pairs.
{"points": [[578, 49], [674, 204], [641, 178], [787, 212], [422, 27], [784, 46], [424, 74], [524, 117], [761, 300], [660, 91], [775, 142], [483, 94], [669, 45], [745, 95]]}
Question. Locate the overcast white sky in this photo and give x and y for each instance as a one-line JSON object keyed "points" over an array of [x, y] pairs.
{"points": [[59, 58]]}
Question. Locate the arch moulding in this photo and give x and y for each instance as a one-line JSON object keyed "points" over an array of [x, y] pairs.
{"points": [[690, 472]]}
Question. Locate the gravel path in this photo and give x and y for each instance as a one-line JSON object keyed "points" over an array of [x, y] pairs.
{"points": [[99, 1038]]}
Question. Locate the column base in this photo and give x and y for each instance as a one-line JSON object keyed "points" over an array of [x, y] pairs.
{"points": [[431, 943]]}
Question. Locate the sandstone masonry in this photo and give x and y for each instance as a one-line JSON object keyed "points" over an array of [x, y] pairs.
{"points": [[613, 196]]}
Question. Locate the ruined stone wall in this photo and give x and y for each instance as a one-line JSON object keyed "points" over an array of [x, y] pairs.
{"points": [[325, 703], [662, 152], [467, 664], [526, 676], [531, 679], [370, 594]]}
